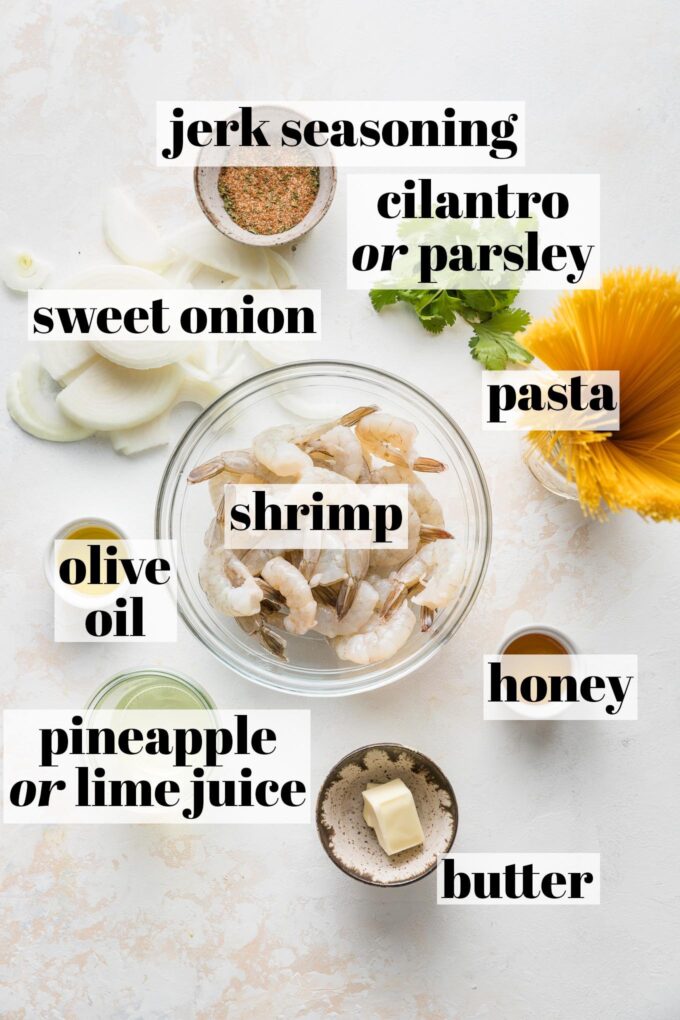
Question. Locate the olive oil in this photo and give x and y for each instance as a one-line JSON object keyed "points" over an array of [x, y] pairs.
{"points": [[76, 544]]}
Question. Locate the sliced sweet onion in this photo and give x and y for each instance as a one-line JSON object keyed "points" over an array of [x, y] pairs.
{"points": [[142, 437], [282, 271], [202, 243], [131, 235], [65, 359], [31, 401], [107, 396], [303, 407], [213, 357], [201, 388], [199, 391], [282, 352], [21, 270], [143, 354], [113, 277], [181, 272]]}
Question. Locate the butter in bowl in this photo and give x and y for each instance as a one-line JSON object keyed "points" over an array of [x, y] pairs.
{"points": [[385, 813]]}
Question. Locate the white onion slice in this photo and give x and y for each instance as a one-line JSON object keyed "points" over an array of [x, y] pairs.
{"points": [[181, 272], [131, 235], [31, 401], [143, 354], [282, 352], [282, 271], [198, 391], [65, 359], [200, 388], [310, 410], [113, 277], [142, 437], [202, 243], [21, 270], [107, 396], [211, 358]]}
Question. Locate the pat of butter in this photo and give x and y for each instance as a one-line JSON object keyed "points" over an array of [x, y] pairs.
{"points": [[389, 808]]}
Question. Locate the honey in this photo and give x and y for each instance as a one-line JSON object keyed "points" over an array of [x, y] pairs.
{"points": [[533, 642]]}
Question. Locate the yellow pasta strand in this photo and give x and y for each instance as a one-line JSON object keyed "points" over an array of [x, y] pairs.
{"points": [[632, 324]]}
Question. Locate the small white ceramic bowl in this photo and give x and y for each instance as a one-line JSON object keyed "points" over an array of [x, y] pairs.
{"points": [[70, 596], [212, 205], [539, 712]]}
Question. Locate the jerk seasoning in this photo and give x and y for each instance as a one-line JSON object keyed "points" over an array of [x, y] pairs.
{"points": [[268, 199]]}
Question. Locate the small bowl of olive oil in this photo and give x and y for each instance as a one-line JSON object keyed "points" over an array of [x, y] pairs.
{"points": [[76, 540]]}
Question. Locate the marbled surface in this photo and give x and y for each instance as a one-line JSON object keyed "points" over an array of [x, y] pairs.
{"points": [[246, 922]]}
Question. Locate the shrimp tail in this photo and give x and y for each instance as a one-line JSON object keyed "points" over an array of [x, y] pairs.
{"points": [[326, 595], [203, 472], [271, 595], [395, 597], [346, 596], [428, 465], [271, 640], [430, 533], [426, 618], [352, 417]]}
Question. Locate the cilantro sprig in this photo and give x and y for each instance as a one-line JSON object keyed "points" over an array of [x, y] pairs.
{"points": [[494, 322]]}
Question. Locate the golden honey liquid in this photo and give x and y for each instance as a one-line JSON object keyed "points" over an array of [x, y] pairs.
{"points": [[533, 643], [76, 546]]}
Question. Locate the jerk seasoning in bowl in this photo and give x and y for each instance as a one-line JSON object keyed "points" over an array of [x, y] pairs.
{"points": [[255, 612], [266, 196]]}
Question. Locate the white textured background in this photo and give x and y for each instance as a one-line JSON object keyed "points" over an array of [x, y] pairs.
{"points": [[152, 922]]}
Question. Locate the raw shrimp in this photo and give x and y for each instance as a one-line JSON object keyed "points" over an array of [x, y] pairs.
{"points": [[280, 448], [230, 587], [443, 576], [308, 562], [256, 625], [330, 568], [384, 560], [382, 585], [231, 462], [276, 449], [423, 502], [302, 606], [256, 558], [433, 567], [343, 450], [392, 439], [356, 564], [379, 639], [330, 625], [409, 574]]}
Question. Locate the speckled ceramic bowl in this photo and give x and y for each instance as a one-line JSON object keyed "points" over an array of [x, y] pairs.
{"points": [[212, 206], [352, 845]]}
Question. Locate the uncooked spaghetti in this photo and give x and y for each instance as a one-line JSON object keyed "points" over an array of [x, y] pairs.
{"points": [[631, 324]]}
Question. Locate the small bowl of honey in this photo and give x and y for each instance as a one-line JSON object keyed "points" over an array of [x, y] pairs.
{"points": [[516, 652]]}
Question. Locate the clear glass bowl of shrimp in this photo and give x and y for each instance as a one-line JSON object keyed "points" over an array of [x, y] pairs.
{"points": [[260, 647]]}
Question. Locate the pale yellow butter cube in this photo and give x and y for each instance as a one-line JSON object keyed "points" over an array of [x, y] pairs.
{"points": [[389, 808]]}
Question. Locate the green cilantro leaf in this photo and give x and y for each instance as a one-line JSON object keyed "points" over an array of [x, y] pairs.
{"points": [[380, 298], [493, 343], [489, 313], [488, 300]]}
